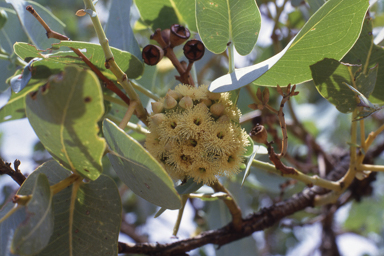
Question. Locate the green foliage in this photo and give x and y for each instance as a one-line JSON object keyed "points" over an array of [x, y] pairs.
{"points": [[64, 113], [138, 169], [223, 22]]}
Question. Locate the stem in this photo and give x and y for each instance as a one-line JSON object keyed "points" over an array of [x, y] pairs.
{"points": [[8, 214], [308, 180], [370, 167], [128, 114], [144, 91], [115, 100], [362, 133], [64, 183], [368, 57], [135, 127], [233, 208], [184, 199]]}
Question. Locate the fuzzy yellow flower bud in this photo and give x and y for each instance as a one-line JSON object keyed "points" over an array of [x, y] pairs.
{"points": [[207, 102], [213, 96], [217, 109], [157, 119], [186, 102], [157, 107], [174, 94], [223, 119], [169, 102]]}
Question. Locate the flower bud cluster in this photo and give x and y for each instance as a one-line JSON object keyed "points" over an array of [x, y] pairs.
{"points": [[195, 133]]}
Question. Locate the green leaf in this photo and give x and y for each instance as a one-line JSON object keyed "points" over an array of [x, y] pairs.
{"points": [[89, 227], [64, 115], [186, 13], [220, 22], [366, 83], [257, 149], [15, 107], [9, 225], [138, 169], [34, 233], [118, 28], [359, 54], [327, 34], [48, 64], [157, 13], [34, 30], [329, 76], [250, 148]]}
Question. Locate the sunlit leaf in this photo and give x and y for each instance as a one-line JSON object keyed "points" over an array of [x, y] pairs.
{"points": [[34, 233], [326, 35], [91, 226], [118, 28], [257, 149], [34, 30], [54, 63], [157, 13], [138, 169], [221, 22], [64, 115], [359, 54]]}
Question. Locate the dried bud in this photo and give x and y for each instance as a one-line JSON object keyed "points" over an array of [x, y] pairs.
{"points": [[157, 119], [217, 109], [279, 90], [207, 102], [3, 18], [194, 50], [152, 54], [186, 102], [166, 35], [213, 95], [179, 34], [157, 107], [265, 96], [169, 102], [259, 134], [174, 94], [259, 94]]}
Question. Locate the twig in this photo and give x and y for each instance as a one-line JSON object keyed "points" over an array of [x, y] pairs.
{"points": [[233, 208], [16, 175], [128, 114], [53, 34]]}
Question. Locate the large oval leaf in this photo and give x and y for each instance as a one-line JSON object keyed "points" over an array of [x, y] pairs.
{"points": [[64, 115], [327, 34], [138, 169], [48, 64], [220, 22], [91, 226]]}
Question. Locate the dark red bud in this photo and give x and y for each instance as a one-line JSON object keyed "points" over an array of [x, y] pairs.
{"points": [[152, 54], [194, 50], [179, 35], [166, 35]]}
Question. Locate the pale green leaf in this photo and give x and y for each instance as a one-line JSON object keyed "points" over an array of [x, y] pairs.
{"points": [[34, 233], [327, 34], [94, 226], [220, 22], [157, 13], [138, 169], [64, 115], [257, 149]]}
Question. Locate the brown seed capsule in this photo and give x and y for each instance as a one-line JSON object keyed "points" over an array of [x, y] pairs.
{"points": [[179, 34], [259, 134], [157, 107], [186, 102], [169, 102], [152, 54], [166, 35], [194, 50]]}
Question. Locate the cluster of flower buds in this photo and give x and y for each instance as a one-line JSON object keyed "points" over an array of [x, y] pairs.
{"points": [[195, 133], [167, 40]]}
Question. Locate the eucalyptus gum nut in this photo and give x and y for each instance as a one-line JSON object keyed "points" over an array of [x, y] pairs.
{"points": [[213, 96], [217, 109], [179, 34], [157, 107], [186, 102], [157, 119], [174, 94], [166, 34], [207, 102], [169, 102], [3, 18]]}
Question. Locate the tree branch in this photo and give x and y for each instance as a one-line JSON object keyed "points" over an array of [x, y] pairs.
{"points": [[16, 175]]}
